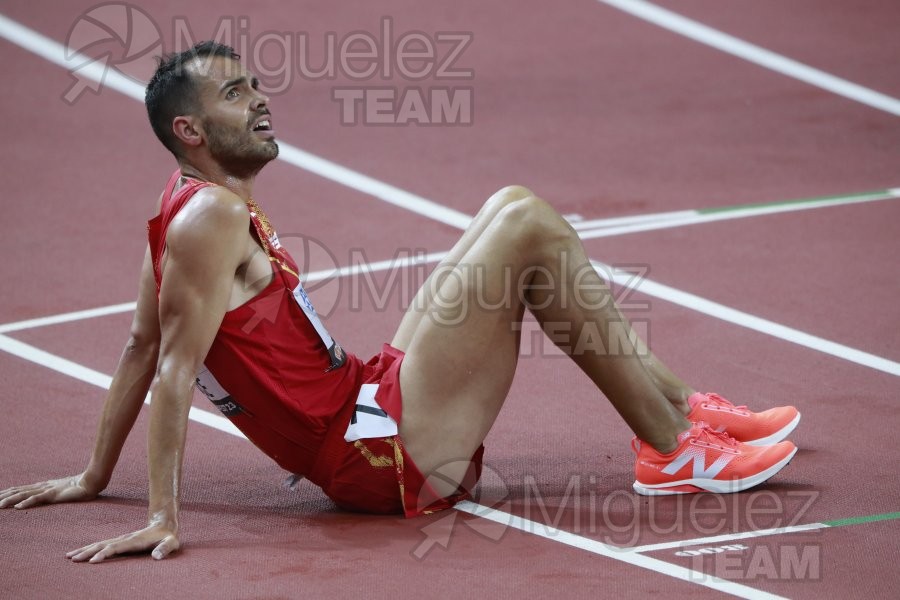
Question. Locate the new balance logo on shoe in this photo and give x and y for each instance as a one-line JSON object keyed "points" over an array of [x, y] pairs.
{"points": [[698, 455]]}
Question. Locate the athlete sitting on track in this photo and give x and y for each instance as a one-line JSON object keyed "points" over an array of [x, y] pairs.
{"points": [[366, 433]]}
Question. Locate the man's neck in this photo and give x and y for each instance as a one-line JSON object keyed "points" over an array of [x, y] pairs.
{"points": [[214, 173]]}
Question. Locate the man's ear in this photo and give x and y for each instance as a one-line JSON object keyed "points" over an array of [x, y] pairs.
{"points": [[188, 130]]}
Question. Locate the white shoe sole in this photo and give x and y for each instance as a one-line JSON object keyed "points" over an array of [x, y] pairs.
{"points": [[778, 435], [717, 486]]}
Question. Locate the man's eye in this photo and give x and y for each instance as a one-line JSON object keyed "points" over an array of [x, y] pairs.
{"points": [[232, 93]]}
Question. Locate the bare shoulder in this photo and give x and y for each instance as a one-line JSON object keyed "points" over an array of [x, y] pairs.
{"points": [[213, 212]]}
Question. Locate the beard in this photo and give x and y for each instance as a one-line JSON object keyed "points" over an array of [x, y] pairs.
{"points": [[240, 152]]}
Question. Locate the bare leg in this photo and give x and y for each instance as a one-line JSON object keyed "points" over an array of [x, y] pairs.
{"points": [[424, 300], [675, 390], [462, 352]]}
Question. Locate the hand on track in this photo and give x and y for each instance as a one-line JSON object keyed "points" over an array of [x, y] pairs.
{"points": [[67, 489], [161, 540]]}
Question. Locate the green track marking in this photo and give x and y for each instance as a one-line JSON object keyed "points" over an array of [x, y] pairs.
{"points": [[859, 520]]}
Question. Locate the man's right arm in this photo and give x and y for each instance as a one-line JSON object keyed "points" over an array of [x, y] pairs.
{"points": [[130, 384]]}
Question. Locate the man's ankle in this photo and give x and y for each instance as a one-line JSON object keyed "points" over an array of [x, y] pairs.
{"points": [[666, 444], [680, 400], [667, 448]]}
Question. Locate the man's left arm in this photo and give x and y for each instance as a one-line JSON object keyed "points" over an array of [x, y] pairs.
{"points": [[205, 247]]}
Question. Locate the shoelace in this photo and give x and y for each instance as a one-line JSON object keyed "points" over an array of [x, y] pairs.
{"points": [[715, 438], [720, 401], [707, 434]]}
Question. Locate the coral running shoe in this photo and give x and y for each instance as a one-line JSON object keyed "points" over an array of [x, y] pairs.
{"points": [[706, 461], [744, 425]]}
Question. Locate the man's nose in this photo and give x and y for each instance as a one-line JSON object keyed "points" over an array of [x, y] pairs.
{"points": [[260, 100]]}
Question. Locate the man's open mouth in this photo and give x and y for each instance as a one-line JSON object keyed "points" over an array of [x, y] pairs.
{"points": [[264, 125]]}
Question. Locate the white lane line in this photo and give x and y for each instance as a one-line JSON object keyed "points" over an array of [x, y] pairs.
{"points": [[101, 380], [381, 265], [621, 277], [587, 230], [67, 317], [56, 363], [56, 53], [371, 186], [592, 229], [755, 54], [613, 552], [53, 51], [679, 219], [727, 537], [311, 277], [731, 315]]}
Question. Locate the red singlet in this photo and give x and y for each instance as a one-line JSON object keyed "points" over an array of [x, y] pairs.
{"points": [[283, 389], [277, 374]]}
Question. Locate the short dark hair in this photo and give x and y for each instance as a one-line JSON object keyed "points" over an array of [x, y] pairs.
{"points": [[171, 91]]}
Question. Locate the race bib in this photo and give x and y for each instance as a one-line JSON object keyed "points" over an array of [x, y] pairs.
{"points": [[369, 420], [218, 395], [334, 349]]}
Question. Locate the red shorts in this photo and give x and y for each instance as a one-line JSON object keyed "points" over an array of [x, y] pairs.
{"points": [[377, 475]]}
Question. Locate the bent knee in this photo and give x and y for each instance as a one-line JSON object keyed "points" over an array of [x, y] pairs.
{"points": [[513, 192], [534, 220], [529, 211], [505, 196]]}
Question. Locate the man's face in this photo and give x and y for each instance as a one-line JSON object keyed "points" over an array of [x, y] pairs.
{"points": [[234, 115]]}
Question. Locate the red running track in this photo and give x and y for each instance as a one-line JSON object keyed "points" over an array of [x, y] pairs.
{"points": [[605, 116]]}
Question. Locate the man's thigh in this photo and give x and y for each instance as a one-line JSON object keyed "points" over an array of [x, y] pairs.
{"points": [[463, 354], [423, 300]]}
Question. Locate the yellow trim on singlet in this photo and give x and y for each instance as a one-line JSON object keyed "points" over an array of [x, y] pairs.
{"points": [[281, 264], [379, 462]]}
